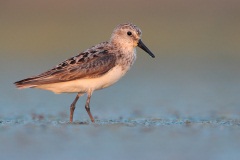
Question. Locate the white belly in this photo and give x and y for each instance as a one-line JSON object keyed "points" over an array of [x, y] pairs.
{"points": [[83, 85]]}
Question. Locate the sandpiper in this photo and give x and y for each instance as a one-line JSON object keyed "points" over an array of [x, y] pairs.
{"points": [[96, 68]]}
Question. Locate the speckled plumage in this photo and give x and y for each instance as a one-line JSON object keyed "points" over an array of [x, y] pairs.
{"points": [[91, 63], [98, 67]]}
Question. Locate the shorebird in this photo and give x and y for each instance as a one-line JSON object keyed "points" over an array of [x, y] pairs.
{"points": [[96, 68]]}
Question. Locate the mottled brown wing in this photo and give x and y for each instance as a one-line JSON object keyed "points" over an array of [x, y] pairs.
{"points": [[88, 64], [93, 67]]}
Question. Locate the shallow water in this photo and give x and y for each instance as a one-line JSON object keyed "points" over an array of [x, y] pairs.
{"points": [[48, 138], [184, 104]]}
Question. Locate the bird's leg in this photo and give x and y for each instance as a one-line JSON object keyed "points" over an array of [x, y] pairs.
{"points": [[87, 107], [72, 107]]}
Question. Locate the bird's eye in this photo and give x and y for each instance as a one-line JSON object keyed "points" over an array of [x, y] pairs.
{"points": [[129, 33]]}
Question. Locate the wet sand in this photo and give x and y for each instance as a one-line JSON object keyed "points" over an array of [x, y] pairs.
{"points": [[46, 137]]}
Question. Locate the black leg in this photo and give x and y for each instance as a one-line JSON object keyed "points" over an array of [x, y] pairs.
{"points": [[87, 106], [72, 107]]}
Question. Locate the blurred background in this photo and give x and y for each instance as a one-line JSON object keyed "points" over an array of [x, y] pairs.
{"points": [[195, 73]]}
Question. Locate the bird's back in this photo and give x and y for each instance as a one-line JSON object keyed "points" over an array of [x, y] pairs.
{"points": [[92, 63]]}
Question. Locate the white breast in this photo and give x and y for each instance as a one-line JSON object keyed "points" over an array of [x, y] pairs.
{"points": [[83, 85]]}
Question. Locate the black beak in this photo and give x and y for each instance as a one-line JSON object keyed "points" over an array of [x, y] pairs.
{"points": [[143, 47]]}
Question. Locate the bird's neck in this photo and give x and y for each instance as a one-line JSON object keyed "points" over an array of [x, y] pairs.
{"points": [[124, 46]]}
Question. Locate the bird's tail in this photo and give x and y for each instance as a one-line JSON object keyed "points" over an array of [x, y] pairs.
{"points": [[26, 83]]}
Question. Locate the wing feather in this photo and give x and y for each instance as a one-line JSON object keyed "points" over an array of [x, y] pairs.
{"points": [[92, 63]]}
